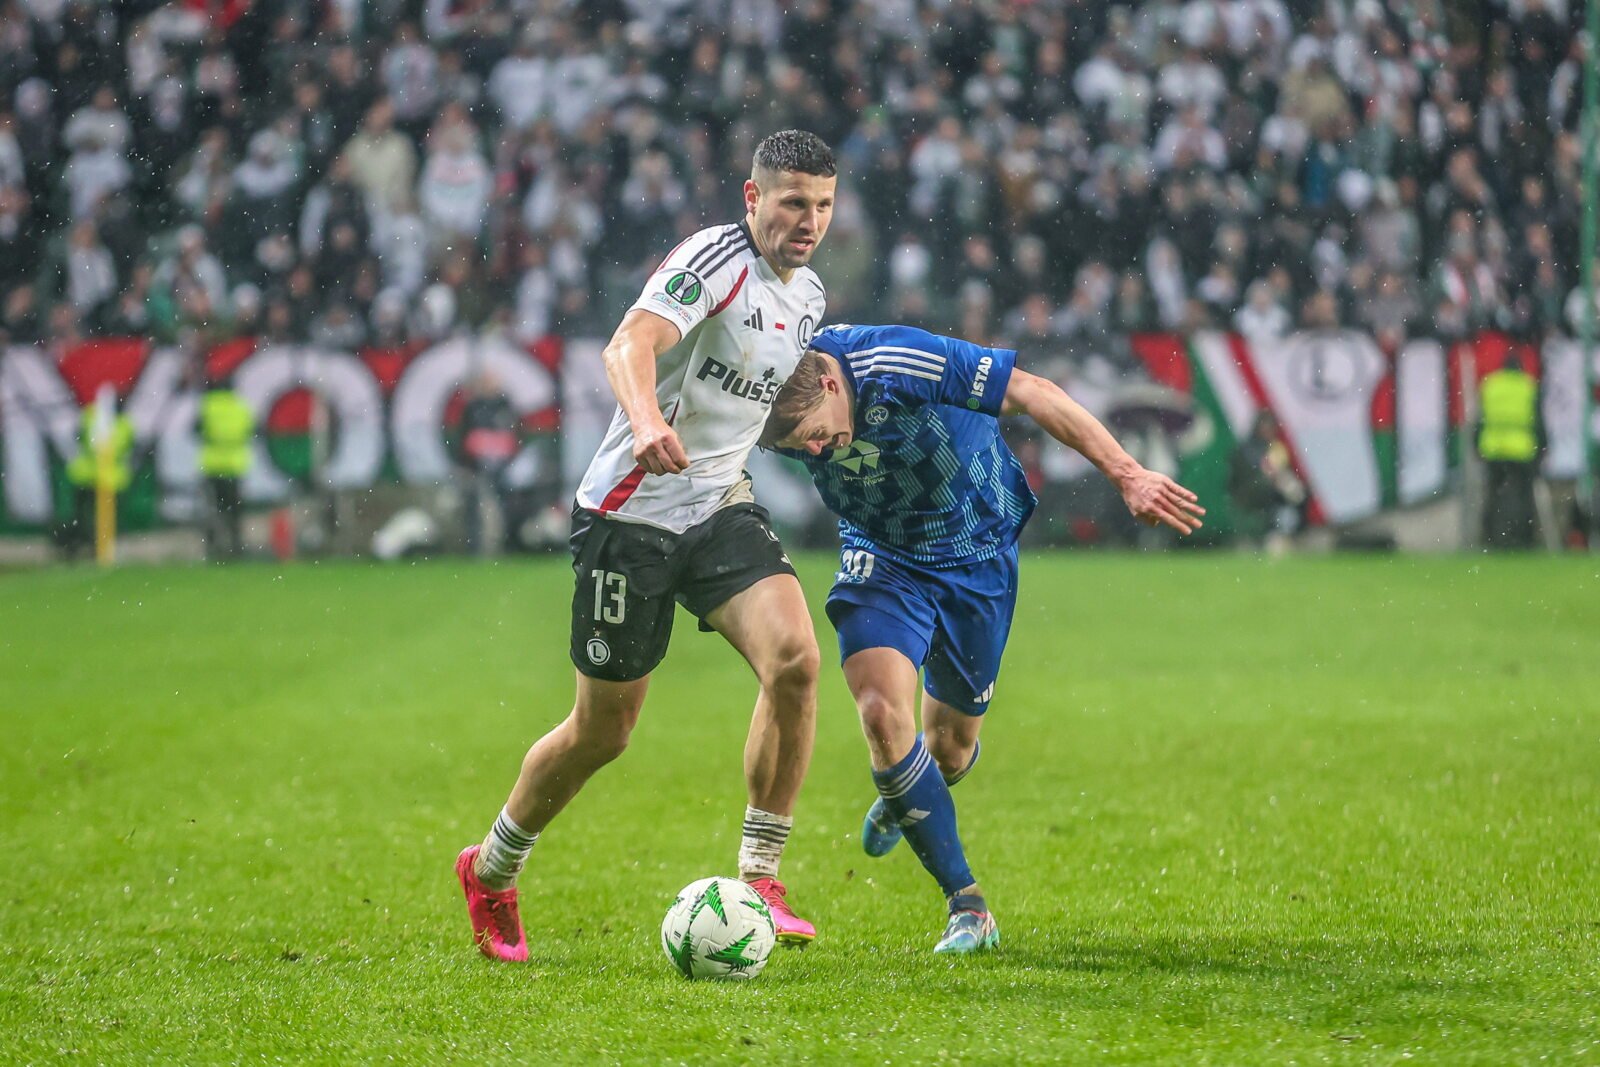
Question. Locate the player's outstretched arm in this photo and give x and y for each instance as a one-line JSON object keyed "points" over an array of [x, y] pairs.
{"points": [[630, 360], [1152, 498]]}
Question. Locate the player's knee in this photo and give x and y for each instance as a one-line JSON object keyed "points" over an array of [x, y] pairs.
{"points": [[949, 752], [881, 718], [603, 739], [795, 666], [602, 733]]}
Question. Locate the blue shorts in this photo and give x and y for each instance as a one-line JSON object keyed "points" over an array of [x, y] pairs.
{"points": [[952, 622]]}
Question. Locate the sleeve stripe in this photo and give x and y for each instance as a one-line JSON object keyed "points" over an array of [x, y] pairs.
{"points": [[874, 366], [709, 252], [931, 360], [898, 363], [903, 361], [736, 250]]}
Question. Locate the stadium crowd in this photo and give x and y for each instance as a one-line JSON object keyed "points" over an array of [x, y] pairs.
{"points": [[358, 172]]}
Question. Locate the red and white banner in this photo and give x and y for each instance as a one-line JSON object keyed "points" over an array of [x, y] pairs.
{"points": [[1367, 429]]}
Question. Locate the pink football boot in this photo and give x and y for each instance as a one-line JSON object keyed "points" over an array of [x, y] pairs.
{"points": [[792, 930], [496, 927]]}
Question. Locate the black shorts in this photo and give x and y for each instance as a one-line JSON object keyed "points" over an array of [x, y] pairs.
{"points": [[630, 576]]}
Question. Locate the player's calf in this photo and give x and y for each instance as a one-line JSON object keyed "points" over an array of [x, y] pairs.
{"points": [[880, 831], [916, 795]]}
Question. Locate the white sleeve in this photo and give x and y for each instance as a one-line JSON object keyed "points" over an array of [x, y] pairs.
{"points": [[695, 278]]}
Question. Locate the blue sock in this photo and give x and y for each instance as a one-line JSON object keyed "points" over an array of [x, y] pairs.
{"points": [[918, 798]]}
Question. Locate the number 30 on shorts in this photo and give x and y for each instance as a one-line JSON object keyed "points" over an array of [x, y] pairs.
{"points": [[855, 565], [610, 596]]}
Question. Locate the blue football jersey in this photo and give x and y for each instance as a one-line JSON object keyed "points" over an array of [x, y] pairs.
{"points": [[927, 478]]}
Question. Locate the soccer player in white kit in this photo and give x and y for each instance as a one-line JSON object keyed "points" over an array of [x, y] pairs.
{"points": [[665, 516]]}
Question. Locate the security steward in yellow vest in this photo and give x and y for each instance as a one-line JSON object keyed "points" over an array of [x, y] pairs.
{"points": [[1510, 442], [82, 470], [226, 427]]}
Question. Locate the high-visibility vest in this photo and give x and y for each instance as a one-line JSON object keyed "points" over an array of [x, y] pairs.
{"points": [[81, 469], [1510, 402], [226, 426]]}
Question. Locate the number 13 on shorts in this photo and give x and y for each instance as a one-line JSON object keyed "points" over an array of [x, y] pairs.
{"points": [[855, 566], [610, 596]]}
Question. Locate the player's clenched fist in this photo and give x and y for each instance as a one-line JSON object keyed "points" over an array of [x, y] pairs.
{"points": [[659, 450]]}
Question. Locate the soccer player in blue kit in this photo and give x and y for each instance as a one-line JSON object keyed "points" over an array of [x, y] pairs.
{"points": [[898, 428]]}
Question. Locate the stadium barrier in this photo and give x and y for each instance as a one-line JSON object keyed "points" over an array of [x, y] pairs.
{"points": [[1369, 430]]}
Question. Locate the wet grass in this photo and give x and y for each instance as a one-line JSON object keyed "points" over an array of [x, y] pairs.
{"points": [[1340, 810]]}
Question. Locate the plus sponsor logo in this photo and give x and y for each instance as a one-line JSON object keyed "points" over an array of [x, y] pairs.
{"points": [[979, 381], [759, 390]]}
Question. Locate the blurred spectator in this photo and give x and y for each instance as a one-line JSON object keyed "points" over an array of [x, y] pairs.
{"points": [[13, 169], [226, 427], [129, 313], [383, 162], [1465, 290], [651, 196], [1188, 141], [1262, 318], [259, 205], [20, 319], [1313, 95], [91, 278], [1131, 312], [1388, 310], [411, 79], [1192, 82], [581, 73], [204, 182], [312, 127], [98, 137], [1320, 312], [1263, 487], [189, 288], [488, 441], [1510, 439], [456, 181], [1167, 284], [520, 85]]}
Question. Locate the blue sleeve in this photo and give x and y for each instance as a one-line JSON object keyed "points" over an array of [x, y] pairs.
{"points": [[922, 365]]}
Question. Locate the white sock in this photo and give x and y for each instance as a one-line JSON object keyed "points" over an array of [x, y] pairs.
{"points": [[762, 847], [504, 852]]}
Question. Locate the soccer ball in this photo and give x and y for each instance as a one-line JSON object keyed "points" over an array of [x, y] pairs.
{"points": [[718, 928]]}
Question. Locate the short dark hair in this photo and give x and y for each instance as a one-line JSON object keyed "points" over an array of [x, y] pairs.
{"points": [[798, 397], [799, 151]]}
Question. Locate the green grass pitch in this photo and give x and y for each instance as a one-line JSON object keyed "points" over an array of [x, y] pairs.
{"points": [[1342, 810]]}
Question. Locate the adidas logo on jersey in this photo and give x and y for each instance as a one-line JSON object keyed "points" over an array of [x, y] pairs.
{"points": [[760, 390], [758, 321]]}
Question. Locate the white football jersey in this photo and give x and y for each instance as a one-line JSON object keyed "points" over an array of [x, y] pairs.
{"points": [[742, 332]]}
